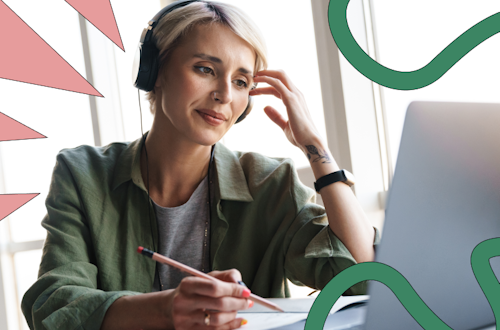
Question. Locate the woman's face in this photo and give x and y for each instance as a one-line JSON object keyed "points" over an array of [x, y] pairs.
{"points": [[210, 59]]}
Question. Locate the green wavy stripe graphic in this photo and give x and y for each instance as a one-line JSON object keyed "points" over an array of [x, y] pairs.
{"points": [[404, 291], [480, 262], [337, 18]]}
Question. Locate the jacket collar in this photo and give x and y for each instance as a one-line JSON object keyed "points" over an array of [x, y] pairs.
{"points": [[229, 173], [233, 185], [128, 165]]}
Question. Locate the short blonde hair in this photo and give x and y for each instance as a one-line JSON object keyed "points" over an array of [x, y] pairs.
{"points": [[173, 26]]}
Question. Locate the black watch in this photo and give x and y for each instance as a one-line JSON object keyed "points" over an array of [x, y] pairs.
{"points": [[342, 175]]}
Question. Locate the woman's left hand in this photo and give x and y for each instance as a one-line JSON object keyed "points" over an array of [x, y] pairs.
{"points": [[345, 215], [299, 128]]}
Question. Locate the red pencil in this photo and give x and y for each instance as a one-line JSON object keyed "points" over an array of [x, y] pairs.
{"points": [[164, 260]]}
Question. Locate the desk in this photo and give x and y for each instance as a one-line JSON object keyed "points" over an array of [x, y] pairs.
{"points": [[346, 313], [345, 319], [351, 318]]}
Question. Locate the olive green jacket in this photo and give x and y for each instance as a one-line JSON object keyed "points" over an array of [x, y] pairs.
{"points": [[263, 222]]}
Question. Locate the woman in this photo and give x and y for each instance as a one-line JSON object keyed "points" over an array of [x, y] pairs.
{"points": [[241, 216]]}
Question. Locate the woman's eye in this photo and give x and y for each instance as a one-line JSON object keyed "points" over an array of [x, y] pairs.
{"points": [[241, 83], [204, 69]]}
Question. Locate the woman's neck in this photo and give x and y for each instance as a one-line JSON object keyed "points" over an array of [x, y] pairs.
{"points": [[176, 167]]}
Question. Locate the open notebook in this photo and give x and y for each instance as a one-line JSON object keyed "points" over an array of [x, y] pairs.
{"points": [[296, 310]]}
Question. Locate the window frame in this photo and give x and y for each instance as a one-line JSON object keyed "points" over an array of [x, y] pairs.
{"points": [[8, 247], [355, 114]]}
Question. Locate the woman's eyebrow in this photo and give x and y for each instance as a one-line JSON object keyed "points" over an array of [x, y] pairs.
{"points": [[218, 60], [208, 58]]}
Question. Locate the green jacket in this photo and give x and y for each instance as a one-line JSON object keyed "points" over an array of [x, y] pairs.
{"points": [[264, 223]]}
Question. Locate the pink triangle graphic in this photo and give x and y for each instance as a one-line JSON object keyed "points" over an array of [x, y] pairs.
{"points": [[100, 14], [26, 57], [10, 203], [11, 129]]}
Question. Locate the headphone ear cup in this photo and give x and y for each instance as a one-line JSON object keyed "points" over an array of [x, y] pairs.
{"points": [[147, 67], [247, 110]]}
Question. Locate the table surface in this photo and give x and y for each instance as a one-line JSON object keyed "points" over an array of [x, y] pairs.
{"points": [[352, 317]]}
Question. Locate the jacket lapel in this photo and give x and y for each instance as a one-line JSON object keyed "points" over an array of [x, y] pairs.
{"points": [[230, 185]]}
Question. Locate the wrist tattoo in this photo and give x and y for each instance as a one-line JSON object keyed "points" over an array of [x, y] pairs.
{"points": [[321, 155]]}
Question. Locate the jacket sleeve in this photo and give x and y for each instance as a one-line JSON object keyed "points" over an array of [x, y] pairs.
{"points": [[314, 255], [66, 294]]}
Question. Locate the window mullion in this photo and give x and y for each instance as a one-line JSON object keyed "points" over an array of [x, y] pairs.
{"points": [[331, 87], [378, 97], [90, 79], [353, 125], [8, 292]]}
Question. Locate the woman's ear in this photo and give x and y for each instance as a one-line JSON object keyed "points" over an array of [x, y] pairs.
{"points": [[159, 77], [158, 82]]}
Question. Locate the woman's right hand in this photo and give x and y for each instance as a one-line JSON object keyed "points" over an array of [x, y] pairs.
{"points": [[195, 298]]}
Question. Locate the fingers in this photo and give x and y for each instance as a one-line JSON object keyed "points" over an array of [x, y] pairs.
{"points": [[221, 320], [234, 324], [279, 87], [278, 74], [199, 301], [215, 320], [230, 275], [276, 117], [223, 304], [218, 318], [212, 288], [265, 91]]}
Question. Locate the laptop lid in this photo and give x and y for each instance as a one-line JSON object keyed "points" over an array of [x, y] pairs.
{"points": [[444, 200]]}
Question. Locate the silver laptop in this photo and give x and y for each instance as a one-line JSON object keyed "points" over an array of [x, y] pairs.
{"points": [[444, 200]]}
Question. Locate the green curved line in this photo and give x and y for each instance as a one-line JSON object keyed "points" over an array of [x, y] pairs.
{"points": [[448, 57], [404, 291], [480, 262], [377, 272]]}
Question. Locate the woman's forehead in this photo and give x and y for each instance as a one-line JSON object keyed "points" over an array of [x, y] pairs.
{"points": [[219, 44]]}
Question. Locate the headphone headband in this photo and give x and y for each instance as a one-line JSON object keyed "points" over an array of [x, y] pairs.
{"points": [[168, 9]]}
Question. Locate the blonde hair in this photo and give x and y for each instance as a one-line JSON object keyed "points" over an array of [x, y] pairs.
{"points": [[173, 26]]}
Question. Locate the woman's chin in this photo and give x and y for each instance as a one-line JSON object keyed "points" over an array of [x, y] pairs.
{"points": [[207, 139], [207, 136]]}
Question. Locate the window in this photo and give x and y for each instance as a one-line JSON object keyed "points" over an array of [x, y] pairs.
{"points": [[409, 35], [291, 47], [26, 165], [404, 36], [354, 127]]}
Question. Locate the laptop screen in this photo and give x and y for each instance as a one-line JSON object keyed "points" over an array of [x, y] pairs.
{"points": [[444, 200]]}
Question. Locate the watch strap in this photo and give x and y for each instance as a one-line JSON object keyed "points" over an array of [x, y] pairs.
{"points": [[329, 179]]}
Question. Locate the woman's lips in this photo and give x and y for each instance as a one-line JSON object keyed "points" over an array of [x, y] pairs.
{"points": [[210, 119]]}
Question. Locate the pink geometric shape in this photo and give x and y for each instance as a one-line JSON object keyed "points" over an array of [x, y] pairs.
{"points": [[11, 129], [10, 203], [26, 57], [100, 14]]}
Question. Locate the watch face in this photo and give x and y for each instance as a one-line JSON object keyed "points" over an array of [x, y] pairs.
{"points": [[349, 178]]}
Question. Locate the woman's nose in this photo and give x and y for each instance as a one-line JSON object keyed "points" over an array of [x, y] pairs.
{"points": [[223, 93]]}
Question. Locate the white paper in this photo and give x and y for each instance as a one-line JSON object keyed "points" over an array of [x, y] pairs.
{"points": [[348, 300], [265, 321], [303, 305], [290, 305], [296, 309]]}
